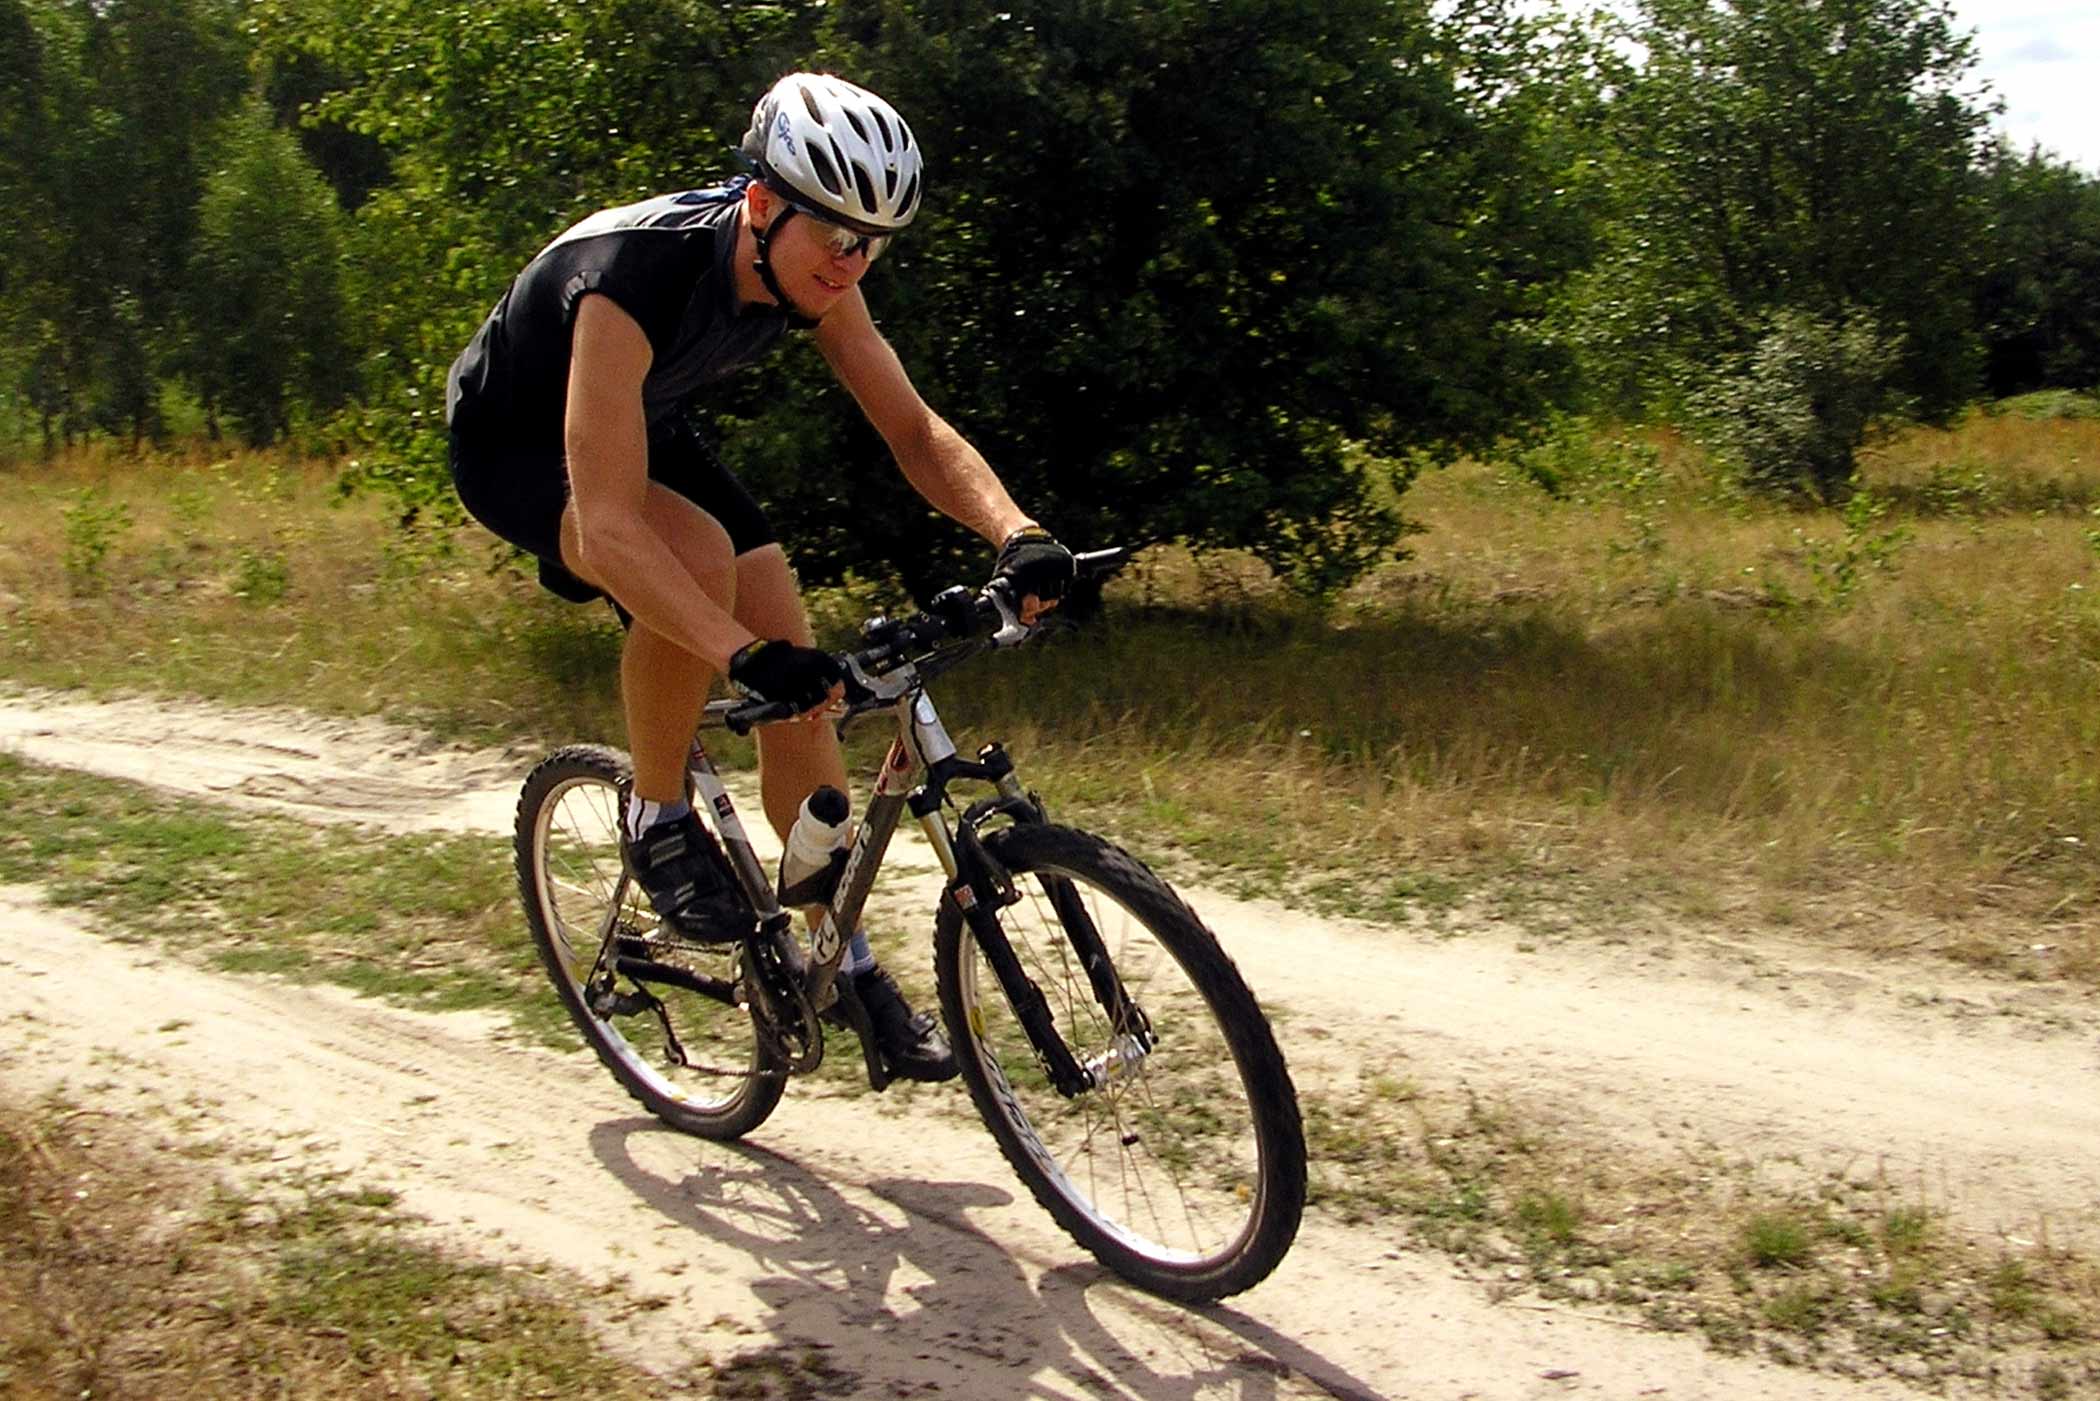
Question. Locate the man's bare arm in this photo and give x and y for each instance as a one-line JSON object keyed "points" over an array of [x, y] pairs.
{"points": [[607, 438], [938, 462]]}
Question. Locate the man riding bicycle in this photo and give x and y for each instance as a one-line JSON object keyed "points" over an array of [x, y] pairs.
{"points": [[571, 437]]}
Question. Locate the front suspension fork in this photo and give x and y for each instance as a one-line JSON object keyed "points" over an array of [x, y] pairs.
{"points": [[979, 887]]}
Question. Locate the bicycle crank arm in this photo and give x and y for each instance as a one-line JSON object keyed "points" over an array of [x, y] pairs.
{"points": [[855, 1012]]}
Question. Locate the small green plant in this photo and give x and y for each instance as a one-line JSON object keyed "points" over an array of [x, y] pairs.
{"points": [[1801, 1309], [1867, 548], [1904, 1229], [2012, 1290], [1900, 1290], [1549, 1218], [191, 505], [1773, 1240], [93, 526], [262, 576]]}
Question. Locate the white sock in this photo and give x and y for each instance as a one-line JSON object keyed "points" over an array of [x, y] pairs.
{"points": [[643, 814]]}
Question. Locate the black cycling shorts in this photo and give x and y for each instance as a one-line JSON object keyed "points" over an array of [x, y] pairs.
{"points": [[519, 494]]}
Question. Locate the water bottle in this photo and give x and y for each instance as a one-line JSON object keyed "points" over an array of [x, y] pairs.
{"points": [[816, 849]]}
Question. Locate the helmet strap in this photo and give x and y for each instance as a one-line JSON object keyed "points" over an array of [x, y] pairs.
{"points": [[763, 237]]}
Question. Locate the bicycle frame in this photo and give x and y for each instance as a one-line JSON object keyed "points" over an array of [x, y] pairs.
{"points": [[915, 773]]}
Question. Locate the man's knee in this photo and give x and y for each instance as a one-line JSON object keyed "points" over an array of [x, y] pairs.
{"points": [[768, 600]]}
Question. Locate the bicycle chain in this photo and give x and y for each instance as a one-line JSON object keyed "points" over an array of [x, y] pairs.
{"points": [[673, 944]]}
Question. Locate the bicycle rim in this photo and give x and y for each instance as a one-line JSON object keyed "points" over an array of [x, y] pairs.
{"points": [[1184, 1171], [708, 1075]]}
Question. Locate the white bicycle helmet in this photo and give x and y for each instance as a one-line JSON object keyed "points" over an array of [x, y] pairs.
{"points": [[837, 148]]}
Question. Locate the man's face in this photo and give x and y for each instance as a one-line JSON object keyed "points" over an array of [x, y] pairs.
{"points": [[808, 261]]}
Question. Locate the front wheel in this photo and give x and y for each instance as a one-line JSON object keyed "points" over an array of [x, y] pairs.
{"points": [[1183, 1170], [695, 1062]]}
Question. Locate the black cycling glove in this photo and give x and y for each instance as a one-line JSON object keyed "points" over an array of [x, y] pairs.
{"points": [[1032, 562], [780, 672]]}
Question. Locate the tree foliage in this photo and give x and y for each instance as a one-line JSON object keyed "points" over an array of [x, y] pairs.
{"points": [[1201, 269], [263, 293], [1226, 271], [1812, 155], [104, 167], [1794, 412], [2039, 302]]}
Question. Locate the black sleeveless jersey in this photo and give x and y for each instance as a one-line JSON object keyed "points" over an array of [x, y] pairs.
{"points": [[669, 262]]}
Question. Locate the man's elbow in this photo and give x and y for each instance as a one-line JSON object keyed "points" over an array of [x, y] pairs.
{"points": [[604, 543], [915, 441]]}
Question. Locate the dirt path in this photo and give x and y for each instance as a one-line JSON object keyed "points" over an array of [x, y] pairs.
{"points": [[898, 1240]]}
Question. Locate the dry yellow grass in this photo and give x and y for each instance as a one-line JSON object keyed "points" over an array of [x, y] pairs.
{"points": [[1648, 691]]}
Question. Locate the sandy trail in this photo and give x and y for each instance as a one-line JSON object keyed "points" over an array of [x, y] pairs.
{"points": [[896, 1236]]}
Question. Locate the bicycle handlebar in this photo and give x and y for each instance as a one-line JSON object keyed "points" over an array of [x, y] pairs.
{"points": [[956, 614]]}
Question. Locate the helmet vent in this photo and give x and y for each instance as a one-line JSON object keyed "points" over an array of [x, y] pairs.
{"points": [[839, 150], [827, 172]]}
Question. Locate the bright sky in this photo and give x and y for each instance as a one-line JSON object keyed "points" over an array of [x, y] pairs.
{"points": [[2042, 58]]}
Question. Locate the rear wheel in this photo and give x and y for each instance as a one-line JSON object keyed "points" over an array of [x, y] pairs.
{"points": [[1184, 1169], [692, 1060]]}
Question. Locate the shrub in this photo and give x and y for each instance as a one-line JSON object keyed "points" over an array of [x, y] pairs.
{"points": [[1793, 413], [93, 525]]}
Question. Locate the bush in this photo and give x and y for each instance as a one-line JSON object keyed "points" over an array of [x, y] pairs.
{"points": [[1793, 413], [93, 526]]}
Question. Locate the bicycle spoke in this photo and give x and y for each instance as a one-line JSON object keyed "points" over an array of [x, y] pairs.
{"points": [[692, 1059], [1163, 1156]]}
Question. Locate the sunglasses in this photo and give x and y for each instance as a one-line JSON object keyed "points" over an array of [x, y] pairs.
{"points": [[840, 241]]}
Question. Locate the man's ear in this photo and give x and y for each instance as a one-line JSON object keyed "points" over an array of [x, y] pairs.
{"points": [[761, 206]]}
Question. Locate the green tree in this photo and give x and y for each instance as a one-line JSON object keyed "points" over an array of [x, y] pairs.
{"points": [[1213, 270], [1794, 413], [1218, 270], [500, 123], [162, 74], [99, 158], [2039, 304], [264, 285], [1812, 155]]}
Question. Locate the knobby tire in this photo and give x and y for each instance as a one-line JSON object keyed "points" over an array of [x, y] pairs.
{"points": [[1186, 1173]]}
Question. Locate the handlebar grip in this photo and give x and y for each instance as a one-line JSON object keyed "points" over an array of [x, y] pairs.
{"points": [[743, 718], [1108, 561]]}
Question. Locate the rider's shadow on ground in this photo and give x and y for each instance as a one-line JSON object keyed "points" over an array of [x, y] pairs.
{"points": [[927, 1296]]}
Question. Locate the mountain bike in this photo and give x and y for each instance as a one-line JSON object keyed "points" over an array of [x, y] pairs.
{"points": [[1120, 1061]]}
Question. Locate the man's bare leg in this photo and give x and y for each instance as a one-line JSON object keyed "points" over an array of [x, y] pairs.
{"points": [[793, 759], [662, 686]]}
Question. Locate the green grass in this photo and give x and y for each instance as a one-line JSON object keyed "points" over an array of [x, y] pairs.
{"points": [[1642, 693], [1773, 1241], [428, 921], [1839, 1270]]}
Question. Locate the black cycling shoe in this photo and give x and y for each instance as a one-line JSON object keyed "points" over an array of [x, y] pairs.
{"points": [[688, 881], [910, 1043]]}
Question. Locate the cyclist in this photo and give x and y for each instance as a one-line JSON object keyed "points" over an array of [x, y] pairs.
{"points": [[572, 437]]}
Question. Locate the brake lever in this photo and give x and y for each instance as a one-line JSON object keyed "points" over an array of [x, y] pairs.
{"points": [[1011, 629]]}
